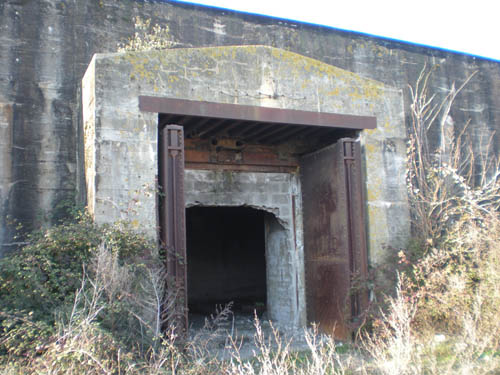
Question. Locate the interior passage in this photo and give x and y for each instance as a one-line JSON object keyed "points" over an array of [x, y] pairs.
{"points": [[226, 259]]}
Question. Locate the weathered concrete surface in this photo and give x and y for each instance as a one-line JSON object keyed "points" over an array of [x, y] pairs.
{"points": [[124, 139], [48, 44], [6, 183]]}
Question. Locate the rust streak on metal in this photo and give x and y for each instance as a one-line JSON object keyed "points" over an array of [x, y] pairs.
{"points": [[294, 224], [334, 236], [357, 234], [172, 233], [348, 161]]}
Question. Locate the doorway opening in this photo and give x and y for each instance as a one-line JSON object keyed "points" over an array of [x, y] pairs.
{"points": [[230, 165], [226, 260]]}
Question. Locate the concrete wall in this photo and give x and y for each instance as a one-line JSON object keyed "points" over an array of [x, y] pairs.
{"points": [[123, 142], [6, 183], [47, 46]]}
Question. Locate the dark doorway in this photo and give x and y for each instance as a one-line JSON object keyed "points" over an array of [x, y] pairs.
{"points": [[226, 259]]}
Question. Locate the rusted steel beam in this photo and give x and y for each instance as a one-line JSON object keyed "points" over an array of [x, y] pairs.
{"points": [[227, 151], [244, 128], [254, 113], [172, 223], [260, 137], [242, 167], [245, 157], [208, 127], [288, 134], [262, 128], [192, 129]]}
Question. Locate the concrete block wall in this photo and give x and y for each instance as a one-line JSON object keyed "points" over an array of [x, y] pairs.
{"points": [[273, 193]]}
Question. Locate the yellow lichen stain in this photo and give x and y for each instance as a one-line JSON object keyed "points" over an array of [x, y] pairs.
{"points": [[366, 90], [349, 49], [299, 62], [371, 91], [334, 92], [380, 51], [377, 224], [372, 195], [144, 65], [374, 189], [370, 131], [370, 148], [355, 94], [147, 65]]}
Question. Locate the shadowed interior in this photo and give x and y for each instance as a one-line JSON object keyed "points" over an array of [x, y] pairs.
{"points": [[226, 258]]}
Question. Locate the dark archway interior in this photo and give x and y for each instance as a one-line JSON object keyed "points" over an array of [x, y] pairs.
{"points": [[226, 259]]}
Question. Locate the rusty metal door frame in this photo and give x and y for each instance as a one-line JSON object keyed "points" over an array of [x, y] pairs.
{"points": [[171, 179], [356, 217], [172, 224]]}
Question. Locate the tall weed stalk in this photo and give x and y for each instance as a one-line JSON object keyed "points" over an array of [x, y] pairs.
{"points": [[444, 316]]}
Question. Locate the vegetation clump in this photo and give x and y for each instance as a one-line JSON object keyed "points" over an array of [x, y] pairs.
{"points": [[444, 316], [147, 37], [40, 283]]}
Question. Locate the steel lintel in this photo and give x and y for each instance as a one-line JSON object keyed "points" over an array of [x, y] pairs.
{"points": [[254, 113]]}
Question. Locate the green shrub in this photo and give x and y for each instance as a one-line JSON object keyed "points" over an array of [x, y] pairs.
{"points": [[39, 281]]}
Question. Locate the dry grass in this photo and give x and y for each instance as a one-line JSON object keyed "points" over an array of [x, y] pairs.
{"points": [[412, 338], [444, 318]]}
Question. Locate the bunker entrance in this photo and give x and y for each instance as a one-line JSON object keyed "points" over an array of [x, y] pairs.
{"points": [[226, 260], [298, 165]]}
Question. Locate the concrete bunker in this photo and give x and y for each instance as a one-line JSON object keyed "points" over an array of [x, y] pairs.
{"points": [[253, 126]]}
